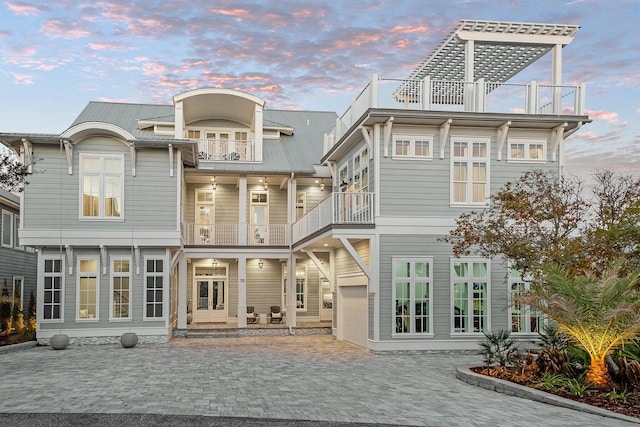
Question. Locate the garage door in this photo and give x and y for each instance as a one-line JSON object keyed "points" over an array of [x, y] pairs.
{"points": [[352, 304]]}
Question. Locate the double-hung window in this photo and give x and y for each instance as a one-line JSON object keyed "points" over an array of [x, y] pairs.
{"points": [[88, 289], [120, 289], [52, 289], [154, 289], [470, 280], [413, 146], [523, 319], [102, 183], [361, 180], [527, 150], [469, 170], [412, 295], [7, 229]]}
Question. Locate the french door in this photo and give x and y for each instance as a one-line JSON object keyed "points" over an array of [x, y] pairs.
{"points": [[210, 301]]}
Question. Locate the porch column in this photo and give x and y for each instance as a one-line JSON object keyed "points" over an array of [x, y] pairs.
{"points": [[182, 293], [556, 77], [242, 211], [291, 291], [242, 292]]}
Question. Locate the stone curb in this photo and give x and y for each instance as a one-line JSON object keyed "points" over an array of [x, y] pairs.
{"points": [[513, 389], [17, 347]]}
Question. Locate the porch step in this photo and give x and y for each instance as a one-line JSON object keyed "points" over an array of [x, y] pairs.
{"points": [[213, 333]]}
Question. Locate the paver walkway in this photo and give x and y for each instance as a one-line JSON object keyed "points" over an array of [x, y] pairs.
{"points": [[298, 378]]}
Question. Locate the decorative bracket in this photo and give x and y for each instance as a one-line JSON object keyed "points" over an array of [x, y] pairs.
{"points": [[68, 149], [503, 130], [103, 258], [366, 133], [444, 136], [27, 154], [387, 135], [69, 251], [132, 147], [557, 135]]}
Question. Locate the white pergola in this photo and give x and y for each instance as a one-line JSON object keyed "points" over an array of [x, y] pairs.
{"points": [[495, 51]]}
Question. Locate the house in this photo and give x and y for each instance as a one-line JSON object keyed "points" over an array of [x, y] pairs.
{"points": [[147, 216], [17, 261]]}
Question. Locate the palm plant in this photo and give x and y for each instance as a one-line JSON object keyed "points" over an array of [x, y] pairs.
{"points": [[598, 313]]}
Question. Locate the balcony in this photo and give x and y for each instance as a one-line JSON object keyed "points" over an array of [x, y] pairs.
{"points": [[235, 234], [337, 208], [226, 150], [475, 97]]}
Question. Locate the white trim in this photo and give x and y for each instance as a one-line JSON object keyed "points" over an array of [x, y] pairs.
{"points": [[412, 139], [527, 143], [79, 277], [102, 175], [165, 283], [7, 214], [16, 226], [113, 274], [411, 279], [469, 279], [40, 287]]}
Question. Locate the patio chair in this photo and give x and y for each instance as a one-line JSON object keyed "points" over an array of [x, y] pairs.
{"points": [[252, 316], [276, 314]]}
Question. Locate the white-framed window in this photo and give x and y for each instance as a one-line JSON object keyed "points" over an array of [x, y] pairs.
{"points": [[361, 179], [101, 186], [412, 296], [259, 212], [469, 170], [527, 150], [7, 229], [154, 289], [470, 282], [343, 177], [53, 287], [301, 204], [413, 146], [301, 288], [88, 290], [17, 293], [523, 318], [120, 289], [205, 215], [16, 240]]}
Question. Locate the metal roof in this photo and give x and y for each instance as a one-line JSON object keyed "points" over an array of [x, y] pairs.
{"points": [[501, 49]]}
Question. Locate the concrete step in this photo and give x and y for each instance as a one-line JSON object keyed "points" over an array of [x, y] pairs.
{"points": [[213, 333]]}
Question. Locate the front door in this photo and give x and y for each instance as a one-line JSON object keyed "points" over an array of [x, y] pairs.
{"points": [[210, 301]]}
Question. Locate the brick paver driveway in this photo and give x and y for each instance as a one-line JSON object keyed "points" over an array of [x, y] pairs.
{"points": [[297, 377]]}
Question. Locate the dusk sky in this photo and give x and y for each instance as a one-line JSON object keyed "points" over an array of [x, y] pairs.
{"points": [[56, 56]]}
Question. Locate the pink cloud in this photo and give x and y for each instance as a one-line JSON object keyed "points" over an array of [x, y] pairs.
{"points": [[151, 68], [23, 79], [63, 28], [24, 9], [105, 46], [238, 13], [409, 29], [607, 116]]}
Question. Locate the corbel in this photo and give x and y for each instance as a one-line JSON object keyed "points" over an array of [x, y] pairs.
{"points": [[68, 150], [444, 135], [136, 254], [387, 135], [503, 130], [103, 258], [132, 148], [69, 252], [557, 135], [27, 151], [367, 136], [171, 160]]}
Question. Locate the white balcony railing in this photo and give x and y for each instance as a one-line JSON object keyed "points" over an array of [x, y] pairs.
{"points": [[227, 149], [235, 234], [337, 208], [477, 97]]}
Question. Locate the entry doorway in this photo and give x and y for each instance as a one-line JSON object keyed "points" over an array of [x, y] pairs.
{"points": [[210, 301]]}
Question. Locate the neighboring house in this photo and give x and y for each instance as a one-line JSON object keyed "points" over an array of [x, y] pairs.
{"points": [[143, 213], [17, 262]]}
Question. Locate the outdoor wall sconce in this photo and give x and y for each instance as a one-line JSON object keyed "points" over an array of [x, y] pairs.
{"points": [[321, 185], [261, 263], [343, 185], [214, 184], [266, 183], [214, 263]]}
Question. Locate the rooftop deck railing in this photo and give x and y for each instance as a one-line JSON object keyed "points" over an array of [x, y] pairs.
{"points": [[337, 208], [476, 97]]}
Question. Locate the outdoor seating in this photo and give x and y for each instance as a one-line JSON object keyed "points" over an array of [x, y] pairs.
{"points": [[252, 316], [276, 314]]}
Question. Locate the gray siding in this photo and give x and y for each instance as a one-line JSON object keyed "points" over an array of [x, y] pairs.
{"points": [[264, 286], [426, 183], [428, 246], [150, 198], [137, 289]]}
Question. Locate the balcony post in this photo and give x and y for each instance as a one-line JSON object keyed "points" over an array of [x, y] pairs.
{"points": [[242, 211], [469, 78], [182, 293], [480, 91], [426, 93], [242, 292], [257, 132], [291, 291], [580, 98], [532, 97]]}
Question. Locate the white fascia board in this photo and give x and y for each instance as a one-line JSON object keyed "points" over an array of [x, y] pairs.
{"points": [[512, 38]]}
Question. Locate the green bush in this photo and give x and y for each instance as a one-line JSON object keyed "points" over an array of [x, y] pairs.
{"points": [[500, 348]]}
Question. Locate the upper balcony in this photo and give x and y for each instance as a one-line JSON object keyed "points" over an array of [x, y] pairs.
{"points": [[475, 97], [226, 150], [335, 209]]}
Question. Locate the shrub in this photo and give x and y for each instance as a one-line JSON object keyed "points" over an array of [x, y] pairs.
{"points": [[31, 313], [5, 309], [499, 348]]}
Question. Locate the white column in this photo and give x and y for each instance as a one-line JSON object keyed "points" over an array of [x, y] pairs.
{"points": [[257, 120], [179, 121], [468, 75], [291, 291], [182, 293], [242, 211], [556, 77], [242, 292]]}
